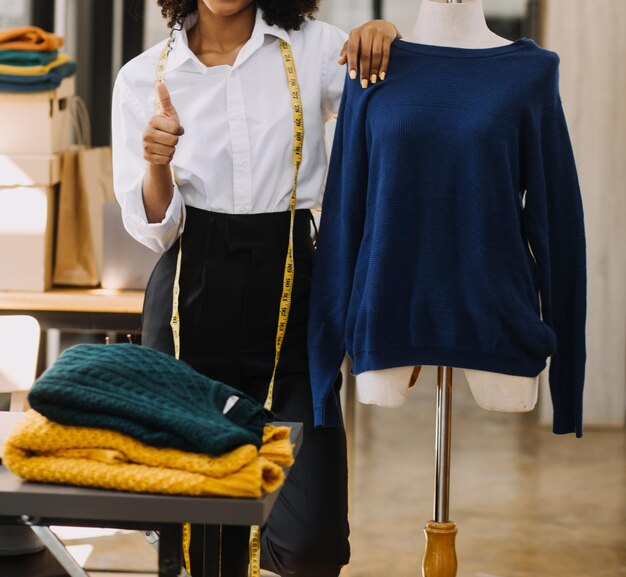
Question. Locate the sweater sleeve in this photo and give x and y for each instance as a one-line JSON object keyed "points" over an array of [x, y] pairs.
{"points": [[555, 230], [341, 228]]}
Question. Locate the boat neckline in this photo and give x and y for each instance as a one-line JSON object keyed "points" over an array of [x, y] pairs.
{"points": [[454, 51]]}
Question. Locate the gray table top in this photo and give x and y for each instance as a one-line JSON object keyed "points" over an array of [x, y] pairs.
{"points": [[68, 503]]}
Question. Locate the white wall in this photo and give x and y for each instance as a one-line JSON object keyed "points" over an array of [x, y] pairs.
{"points": [[505, 8], [14, 13], [348, 14], [155, 26]]}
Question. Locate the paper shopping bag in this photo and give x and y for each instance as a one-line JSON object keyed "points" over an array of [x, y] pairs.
{"points": [[86, 184]]}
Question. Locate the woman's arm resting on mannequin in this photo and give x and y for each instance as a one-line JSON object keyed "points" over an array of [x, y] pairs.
{"points": [[371, 43]]}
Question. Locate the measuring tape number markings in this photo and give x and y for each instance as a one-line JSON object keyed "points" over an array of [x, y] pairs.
{"points": [[288, 276]]}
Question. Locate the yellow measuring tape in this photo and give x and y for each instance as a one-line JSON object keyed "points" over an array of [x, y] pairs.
{"points": [[288, 277], [298, 141]]}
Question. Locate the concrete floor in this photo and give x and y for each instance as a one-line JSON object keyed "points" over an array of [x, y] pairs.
{"points": [[527, 503]]}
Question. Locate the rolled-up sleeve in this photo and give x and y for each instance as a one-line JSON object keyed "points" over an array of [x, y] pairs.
{"points": [[129, 120]]}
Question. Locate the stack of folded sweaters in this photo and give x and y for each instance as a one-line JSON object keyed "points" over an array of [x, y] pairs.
{"points": [[30, 60], [130, 418]]}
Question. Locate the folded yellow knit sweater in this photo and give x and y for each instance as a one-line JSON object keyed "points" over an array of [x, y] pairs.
{"points": [[34, 70], [30, 38], [44, 451]]}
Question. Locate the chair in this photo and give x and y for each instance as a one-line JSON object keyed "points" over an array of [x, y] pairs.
{"points": [[19, 349]]}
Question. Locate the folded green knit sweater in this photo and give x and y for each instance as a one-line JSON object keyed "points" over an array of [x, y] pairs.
{"points": [[147, 395]]}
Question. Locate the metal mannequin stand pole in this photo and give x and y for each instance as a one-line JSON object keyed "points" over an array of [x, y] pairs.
{"points": [[440, 555], [442, 445]]}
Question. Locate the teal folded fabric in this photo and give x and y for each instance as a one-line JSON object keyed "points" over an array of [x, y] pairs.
{"points": [[149, 396], [37, 82], [27, 57]]}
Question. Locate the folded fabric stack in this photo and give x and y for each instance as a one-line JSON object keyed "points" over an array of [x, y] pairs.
{"points": [[130, 418], [30, 61]]}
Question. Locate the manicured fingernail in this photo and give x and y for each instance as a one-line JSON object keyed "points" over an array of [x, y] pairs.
{"points": [[353, 74], [374, 79], [382, 75], [364, 83]]}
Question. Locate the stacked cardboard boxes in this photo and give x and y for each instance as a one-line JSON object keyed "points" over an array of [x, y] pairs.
{"points": [[35, 130]]}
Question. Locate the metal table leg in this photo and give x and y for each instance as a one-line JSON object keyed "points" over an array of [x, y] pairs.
{"points": [[58, 551], [170, 554]]}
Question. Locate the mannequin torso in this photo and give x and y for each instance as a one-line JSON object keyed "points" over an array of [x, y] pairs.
{"points": [[462, 26]]}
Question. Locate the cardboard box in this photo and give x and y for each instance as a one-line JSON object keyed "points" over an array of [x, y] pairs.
{"points": [[38, 122], [29, 170], [27, 222]]}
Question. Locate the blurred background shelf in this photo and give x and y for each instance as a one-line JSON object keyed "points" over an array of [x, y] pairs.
{"points": [[99, 301]]}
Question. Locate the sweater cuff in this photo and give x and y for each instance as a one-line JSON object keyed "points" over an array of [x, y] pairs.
{"points": [[565, 422], [328, 415]]}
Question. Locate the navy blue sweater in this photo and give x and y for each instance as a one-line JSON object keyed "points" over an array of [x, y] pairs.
{"points": [[452, 227]]}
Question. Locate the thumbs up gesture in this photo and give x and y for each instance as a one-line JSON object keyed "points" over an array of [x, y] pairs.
{"points": [[163, 131]]}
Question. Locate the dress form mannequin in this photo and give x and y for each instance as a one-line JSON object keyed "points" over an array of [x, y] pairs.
{"points": [[462, 25]]}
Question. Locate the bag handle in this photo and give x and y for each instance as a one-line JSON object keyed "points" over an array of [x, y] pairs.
{"points": [[80, 121]]}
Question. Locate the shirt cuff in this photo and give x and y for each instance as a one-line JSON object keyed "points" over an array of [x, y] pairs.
{"points": [[158, 236]]}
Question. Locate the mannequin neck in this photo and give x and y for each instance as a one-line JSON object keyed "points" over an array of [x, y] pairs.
{"points": [[459, 25]]}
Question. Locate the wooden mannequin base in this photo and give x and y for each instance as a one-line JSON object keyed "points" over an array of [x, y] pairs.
{"points": [[440, 555]]}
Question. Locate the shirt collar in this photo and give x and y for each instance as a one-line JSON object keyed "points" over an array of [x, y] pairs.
{"points": [[180, 52], [262, 28]]}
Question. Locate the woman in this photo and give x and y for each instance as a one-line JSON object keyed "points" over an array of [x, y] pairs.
{"points": [[226, 126]]}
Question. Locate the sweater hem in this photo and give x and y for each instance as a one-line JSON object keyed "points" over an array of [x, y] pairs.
{"points": [[374, 360]]}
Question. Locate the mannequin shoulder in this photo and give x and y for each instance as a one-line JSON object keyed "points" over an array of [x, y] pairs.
{"points": [[542, 74], [542, 61]]}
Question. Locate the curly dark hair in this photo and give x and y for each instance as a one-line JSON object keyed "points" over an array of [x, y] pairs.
{"points": [[287, 14]]}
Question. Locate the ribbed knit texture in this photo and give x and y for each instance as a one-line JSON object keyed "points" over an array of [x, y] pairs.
{"points": [[147, 395], [43, 451], [452, 203]]}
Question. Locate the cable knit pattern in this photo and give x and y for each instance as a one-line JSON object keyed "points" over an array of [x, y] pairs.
{"points": [[149, 396], [40, 450]]}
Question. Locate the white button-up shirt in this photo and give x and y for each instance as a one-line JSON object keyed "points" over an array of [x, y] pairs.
{"points": [[236, 155]]}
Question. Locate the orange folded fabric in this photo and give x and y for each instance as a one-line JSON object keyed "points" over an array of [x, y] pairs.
{"points": [[30, 38]]}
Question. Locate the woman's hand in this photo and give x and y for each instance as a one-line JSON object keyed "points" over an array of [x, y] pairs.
{"points": [[159, 145], [371, 43], [161, 135]]}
